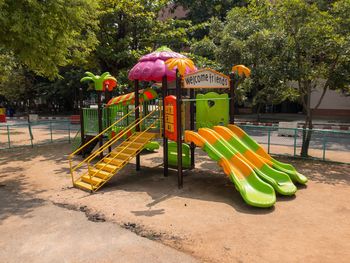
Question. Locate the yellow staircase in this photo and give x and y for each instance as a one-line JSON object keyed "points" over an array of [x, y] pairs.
{"points": [[98, 173], [101, 172]]}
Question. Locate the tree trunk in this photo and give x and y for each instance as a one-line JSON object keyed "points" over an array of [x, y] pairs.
{"points": [[258, 110], [307, 128]]}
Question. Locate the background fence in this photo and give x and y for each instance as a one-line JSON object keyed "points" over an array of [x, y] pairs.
{"points": [[327, 145], [36, 133], [324, 145]]}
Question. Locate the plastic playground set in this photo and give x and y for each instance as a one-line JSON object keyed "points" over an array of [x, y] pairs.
{"points": [[172, 105]]}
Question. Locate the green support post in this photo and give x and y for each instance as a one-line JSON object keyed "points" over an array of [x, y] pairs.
{"points": [[324, 148], [295, 141], [51, 131], [68, 123], [8, 136], [137, 116], [268, 140], [179, 129], [232, 98]]}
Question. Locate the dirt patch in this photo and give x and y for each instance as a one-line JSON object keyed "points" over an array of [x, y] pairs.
{"points": [[207, 218], [91, 216]]}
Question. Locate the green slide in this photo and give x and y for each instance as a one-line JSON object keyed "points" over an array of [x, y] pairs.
{"points": [[259, 150], [253, 190], [279, 180]]}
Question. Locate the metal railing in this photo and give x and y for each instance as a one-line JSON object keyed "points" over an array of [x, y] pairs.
{"points": [[113, 141], [129, 142], [70, 157], [325, 145], [20, 134]]}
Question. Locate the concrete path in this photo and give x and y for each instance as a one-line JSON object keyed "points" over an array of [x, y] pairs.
{"points": [[49, 233]]}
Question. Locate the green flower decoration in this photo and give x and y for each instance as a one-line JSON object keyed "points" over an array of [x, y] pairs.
{"points": [[102, 82]]}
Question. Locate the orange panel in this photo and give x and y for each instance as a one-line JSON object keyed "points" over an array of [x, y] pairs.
{"points": [[244, 168], [262, 153], [236, 130], [254, 159], [170, 118]]}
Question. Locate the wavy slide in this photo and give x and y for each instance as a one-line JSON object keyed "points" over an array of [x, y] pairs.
{"points": [[253, 190], [238, 134], [280, 181]]}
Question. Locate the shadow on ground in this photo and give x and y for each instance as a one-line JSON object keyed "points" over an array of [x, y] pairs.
{"points": [[198, 184], [52, 152], [208, 182], [17, 198]]}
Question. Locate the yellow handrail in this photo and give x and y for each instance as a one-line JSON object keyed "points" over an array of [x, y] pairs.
{"points": [[109, 143], [83, 161], [102, 132], [113, 158], [87, 158]]}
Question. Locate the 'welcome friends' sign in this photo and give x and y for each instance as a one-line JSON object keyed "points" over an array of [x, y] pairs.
{"points": [[206, 78]]}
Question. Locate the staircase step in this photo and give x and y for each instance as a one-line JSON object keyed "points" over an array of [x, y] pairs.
{"points": [[106, 167], [84, 185], [99, 173], [141, 138], [130, 144], [128, 151], [94, 180], [116, 162], [119, 155]]}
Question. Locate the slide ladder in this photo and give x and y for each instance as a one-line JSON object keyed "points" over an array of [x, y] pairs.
{"points": [[94, 171]]}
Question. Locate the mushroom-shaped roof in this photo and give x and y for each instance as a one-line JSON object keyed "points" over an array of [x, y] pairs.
{"points": [[152, 67]]}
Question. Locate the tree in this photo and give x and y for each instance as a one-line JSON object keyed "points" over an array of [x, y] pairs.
{"points": [[317, 48], [290, 41], [46, 35], [201, 10], [256, 43], [130, 29]]}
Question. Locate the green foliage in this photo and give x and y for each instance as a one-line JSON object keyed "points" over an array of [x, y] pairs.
{"points": [[317, 45], [255, 43], [130, 29], [205, 48], [45, 35], [202, 10], [292, 40]]}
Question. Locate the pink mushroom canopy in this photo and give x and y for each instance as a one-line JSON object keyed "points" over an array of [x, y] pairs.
{"points": [[152, 67]]}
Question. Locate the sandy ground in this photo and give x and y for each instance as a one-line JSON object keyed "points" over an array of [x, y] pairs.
{"points": [[49, 233], [206, 219]]}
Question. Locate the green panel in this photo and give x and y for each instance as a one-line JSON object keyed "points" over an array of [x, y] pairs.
{"points": [[112, 114], [172, 155], [151, 146], [90, 121], [212, 109]]}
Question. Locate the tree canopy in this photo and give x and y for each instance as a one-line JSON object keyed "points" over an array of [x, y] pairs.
{"points": [[45, 36]]}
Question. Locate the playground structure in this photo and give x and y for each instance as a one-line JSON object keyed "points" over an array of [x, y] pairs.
{"points": [[128, 124]]}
